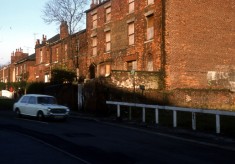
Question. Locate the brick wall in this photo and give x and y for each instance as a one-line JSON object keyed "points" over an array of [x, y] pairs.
{"points": [[200, 43], [131, 80]]}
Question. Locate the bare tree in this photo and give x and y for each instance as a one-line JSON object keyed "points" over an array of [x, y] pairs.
{"points": [[72, 11]]}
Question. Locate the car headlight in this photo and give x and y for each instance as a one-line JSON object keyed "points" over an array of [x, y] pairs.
{"points": [[48, 110]]}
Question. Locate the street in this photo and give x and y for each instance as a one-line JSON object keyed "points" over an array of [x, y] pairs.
{"points": [[78, 140]]}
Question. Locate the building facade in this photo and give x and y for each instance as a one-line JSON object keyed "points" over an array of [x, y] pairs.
{"points": [[123, 35], [61, 51], [162, 44]]}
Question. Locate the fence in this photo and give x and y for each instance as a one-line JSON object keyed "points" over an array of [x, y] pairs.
{"points": [[217, 113]]}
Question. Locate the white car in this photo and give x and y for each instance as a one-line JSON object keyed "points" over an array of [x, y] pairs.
{"points": [[40, 106]]}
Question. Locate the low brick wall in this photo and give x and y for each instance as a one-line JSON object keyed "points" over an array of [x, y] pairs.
{"points": [[204, 98]]}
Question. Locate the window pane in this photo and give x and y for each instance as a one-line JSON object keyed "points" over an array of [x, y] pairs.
{"points": [[131, 28], [108, 70], [131, 7], [150, 33], [150, 2], [108, 14], [134, 65], [94, 18], [107, 36], [150, 28], [94, 41], [94, 51], [108, 46], [131, 39], [150, 66], [102, 70]]}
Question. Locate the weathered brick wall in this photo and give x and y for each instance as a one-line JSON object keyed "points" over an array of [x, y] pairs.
{"points": [[131, 80], [200, 43], [199, 98]]}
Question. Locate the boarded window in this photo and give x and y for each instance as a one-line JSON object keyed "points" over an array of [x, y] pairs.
{"points": [[132, 65], [105, 70], [131, 6], [94, 19], [41, 56], [108, 14], [149, 63], [57, 54], [66, 51], [150, 2], [108, 41], [150, 27], [94, 46], [131, 33], [102, 70]]}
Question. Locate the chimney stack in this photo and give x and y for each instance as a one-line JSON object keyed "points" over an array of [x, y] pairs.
{"points": [[64, 32]]}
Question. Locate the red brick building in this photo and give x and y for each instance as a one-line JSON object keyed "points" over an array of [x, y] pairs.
{"points": [[61, 51], [123, 35], [23, 70], [21, 67], [4, 74]]}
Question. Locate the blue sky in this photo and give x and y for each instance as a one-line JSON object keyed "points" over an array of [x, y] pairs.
{"points": [[20, 25]]}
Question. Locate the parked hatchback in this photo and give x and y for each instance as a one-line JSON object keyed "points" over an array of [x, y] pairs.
{"points": [[40, 106]]}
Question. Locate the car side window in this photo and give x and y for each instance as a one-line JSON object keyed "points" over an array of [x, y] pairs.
{"points": [[25, 99], [32, 100]]}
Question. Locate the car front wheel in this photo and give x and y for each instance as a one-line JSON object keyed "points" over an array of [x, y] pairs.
{"points": [[18, 113], [40, 116]]}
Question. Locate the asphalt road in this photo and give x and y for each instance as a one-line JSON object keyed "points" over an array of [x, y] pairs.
{"points": [[78, 140]]}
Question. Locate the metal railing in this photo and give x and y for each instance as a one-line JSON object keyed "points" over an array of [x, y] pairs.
{"points": [[217, 113]]}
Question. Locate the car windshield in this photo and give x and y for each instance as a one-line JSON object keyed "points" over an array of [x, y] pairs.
{"points": [[46, 100]]}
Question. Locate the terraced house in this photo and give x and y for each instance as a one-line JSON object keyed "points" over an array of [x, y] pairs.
{"points": [[177, 52], [61, 51]]}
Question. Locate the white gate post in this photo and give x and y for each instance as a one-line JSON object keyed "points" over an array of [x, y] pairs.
{"points": [[118, 111], [218, 123], [174, 118], [130, 113], [156, 116], [143, 114], [194, 125]]}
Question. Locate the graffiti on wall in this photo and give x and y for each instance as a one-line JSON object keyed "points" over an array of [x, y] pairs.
{"points": [[223, 77]]}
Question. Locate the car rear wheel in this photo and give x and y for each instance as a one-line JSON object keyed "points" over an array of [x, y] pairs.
{"points": [[40, 116]]}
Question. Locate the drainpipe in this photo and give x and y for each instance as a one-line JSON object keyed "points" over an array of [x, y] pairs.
{"points": [[163, 51]]}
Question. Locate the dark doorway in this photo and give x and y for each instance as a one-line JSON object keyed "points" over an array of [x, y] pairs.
{"points": [[92, 69]]}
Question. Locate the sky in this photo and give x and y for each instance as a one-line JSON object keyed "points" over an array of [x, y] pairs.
{"points": [[21, 24]]}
